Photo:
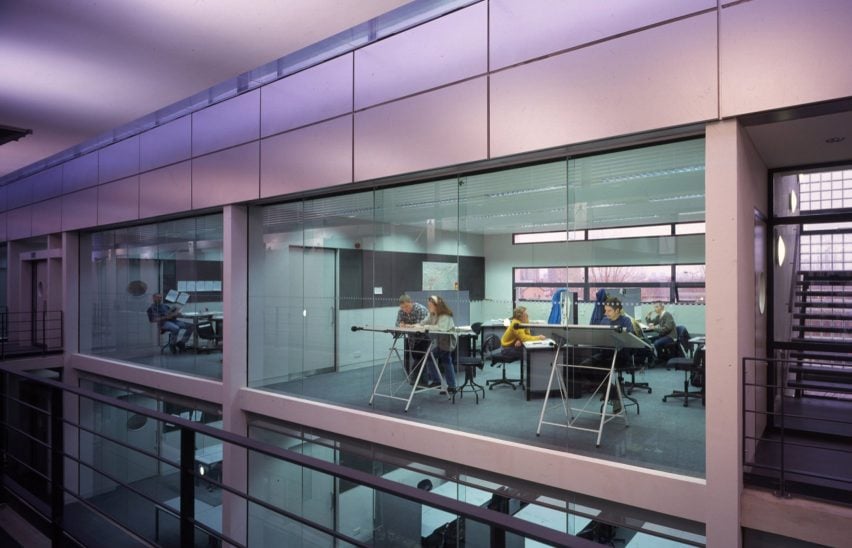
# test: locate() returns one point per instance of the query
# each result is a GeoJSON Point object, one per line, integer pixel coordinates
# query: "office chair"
{"type": "Point", "coordinates": [693, 373]}
{"type": "Point", "coordinates": [677, 348]}
{"type": "Point", "coordinates": [205, 331]}
{"type": "Point", "coordinates": [492, 348]}
{"type": "Point", "coordinates": [635, 365]}
{"type": "Point", "coordinates": [473, 359]}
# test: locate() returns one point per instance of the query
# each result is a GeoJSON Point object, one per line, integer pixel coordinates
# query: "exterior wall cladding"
{"type": "Point", "coordinates": [495, 79]}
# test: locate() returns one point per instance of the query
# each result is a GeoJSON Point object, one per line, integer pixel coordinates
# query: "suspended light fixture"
{"type": "Point", "coordinates": [780, 250]}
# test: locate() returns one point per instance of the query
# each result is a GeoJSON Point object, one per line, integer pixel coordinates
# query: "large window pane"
{"type": "Point", "coordinates": [121, 272]}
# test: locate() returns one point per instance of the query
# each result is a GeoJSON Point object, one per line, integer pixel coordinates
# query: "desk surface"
{"type": "Point", "coordinates": [432, 518]}
{"type": "Point", "coordinates": [546, 343]}
{"type": "Point", "coordinates": [211, 516]}
{"type": "Point", "coordinates": [209, 455]}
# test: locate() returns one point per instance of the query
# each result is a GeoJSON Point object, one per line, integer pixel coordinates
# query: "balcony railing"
{"type": "Point", "coordinates": [77, 500]}
{"type": "Point", "coordinates": [797, 425]}
{"type": "Point", "coordinates": [28, 333]}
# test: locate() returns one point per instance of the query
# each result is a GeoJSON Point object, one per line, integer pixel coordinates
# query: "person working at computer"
{"type": "Point", "coordinates": [166, 318]}
{"type": "Point", "coordinates": [411, 314]}
{"type": "Point", "coordinates": [512, 343]}
{"type": "Point", "coordinates": [663, 322]}
{"type": "Point", "coordinates": [441, 317]}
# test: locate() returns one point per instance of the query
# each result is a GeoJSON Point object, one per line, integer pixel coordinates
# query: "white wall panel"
{"type": "Point", "coordinates": [118, 201]}
{"type": "Point", "coordinates": [226, 177]}
{"type": "Point", "coordinates": [19, 223]}
{"type": "Point", "coordinates": [315, 94]}
{"type": "Point", "coordinates": [165, 190]}
{"type": "Point", "coordinates": [47, 184]}
{"type": "Point", "coordinates": [442, 51]}
{"type": "Point", "coordinates": [307, 158]}
{"type": "Point", "coordinates": [525, 30]}
{"type": "Point", "coordinates": [119, 160]}
{"type": "Point", "coordinates": [80, 173]}
{"type": "Point", "coordinates": [226, 124]}
{"type": "Point", "coordinates": [444, 127]}
{"type": "Point", "coordinates": [80, 209]}
{"type": "Point", "coordinates": [661, 77]}
{"type": "Point", "coordinates": [20, 192]}
{"type": "Point", "coordinates": [47, 217]}
{"type": "Point", "coordinates": [775, 53]}
{"type": "Point", "coordinates": [166, 144]}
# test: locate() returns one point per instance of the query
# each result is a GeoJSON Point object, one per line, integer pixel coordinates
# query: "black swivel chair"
{"type": "Point", "coordinates": [470, 362]}
{"type": "Point", "coordinates": [678, 348]}
{"type": "Point", "coordinates": [693, 373]}
{"type": "Point", "coordinates": [492, 348]}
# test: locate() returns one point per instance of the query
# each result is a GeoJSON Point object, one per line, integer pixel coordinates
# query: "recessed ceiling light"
{"type": "Point", "coordinates": [832, 140]}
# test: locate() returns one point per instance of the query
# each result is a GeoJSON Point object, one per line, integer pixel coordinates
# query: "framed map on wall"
{"type": "Point", "coordinates": [440, 275]}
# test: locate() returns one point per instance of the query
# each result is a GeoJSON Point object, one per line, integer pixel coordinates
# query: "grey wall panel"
{"type": "Point", "coordinates": [445, 50]}
{"type": "Point", "coordinates": [47, 184]}
{"type": "Point", "coordinates": [634, 84]}
{"type": "Point", "coordinates": [19, 223]}
{"type": "Point", "coordinates": [20, 193]}
{"type": "Point", "coordinates": [226, 124]}
{"type": "Point", "coordinates": [773, 53]}
{"type": "Point", "coordinates": [167, 144]}
{"type": "Point", "coordinates": [165, 190]}
{"type": "Point", "coordinates": [3, 234]}
{"type": "Point", "coordinates": [315, 94]}
{"type": "Point", "coordinates": [525, 30]}
{"type": "Point", "coordinates": [443, 127]}
{"type": "Point", "coordinates": [307, 158]}
{"type": "Point", "coordinates": [47, 217]}
{"type": "Point", "coordinates": [80, 173]}
{"type": "Point", "coordinates": [3, 201]}
{"type": "Point", "coordinates": [118, 201]}
{"type": "Point", "coordinates": [119, 160]}
{"type": "Point", "coordinates": [226, 177]}
{"type": "Point", "coordinates": [80, 209]}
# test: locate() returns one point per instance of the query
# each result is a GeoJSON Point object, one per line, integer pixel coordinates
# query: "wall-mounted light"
{"type": "Point", "coordinates": [780, 250]}
{"type": "Point", "coordinates": [794, 201]}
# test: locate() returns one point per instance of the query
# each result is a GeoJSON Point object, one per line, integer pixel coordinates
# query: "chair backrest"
{"type": "Point", "coordinates": [492, 343]}
{"type": "Point", "coordinates": [682, 339]}
{"type": "Point", "coordinates": [696, 377]}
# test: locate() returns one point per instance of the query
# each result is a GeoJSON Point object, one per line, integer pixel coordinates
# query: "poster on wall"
{"type": "Point", "coordinates": [440, 275]}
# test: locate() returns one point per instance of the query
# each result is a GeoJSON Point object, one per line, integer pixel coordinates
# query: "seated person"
{"type": "Point", "coordinates": [166, 318]}
{"type": "Point", "coordinates": [512, 343]}
{"type": "Point", "coordinates": [613, 316]}
{"type": "Point", "coordinates": [411, 314]}
{"type": "Point", "coordinates": [664, 324]}
{"type": "Point", "coordinates": [441, 317]}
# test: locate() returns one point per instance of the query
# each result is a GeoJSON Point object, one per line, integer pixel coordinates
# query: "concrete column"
{"type": "Point", "coordinates": [234, 364]}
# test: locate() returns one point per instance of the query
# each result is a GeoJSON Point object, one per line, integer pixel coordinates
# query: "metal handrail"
{"type": "Point", "coordinates": [778, 420]}
{"type": "Point", "coordinates": [189, 430]}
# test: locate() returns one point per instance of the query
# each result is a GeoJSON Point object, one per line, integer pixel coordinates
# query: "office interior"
{"type": "Point", "coordinates": [483, 182]}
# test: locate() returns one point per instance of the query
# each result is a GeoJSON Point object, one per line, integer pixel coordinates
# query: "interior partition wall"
{"type": "Point", "coordinates": [120, 272]}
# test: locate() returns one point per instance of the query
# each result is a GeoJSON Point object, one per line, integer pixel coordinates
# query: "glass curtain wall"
{"type": "Point", "coordinates": [327, 275]}
{"type": "Point", "coordinates": [175, 265]}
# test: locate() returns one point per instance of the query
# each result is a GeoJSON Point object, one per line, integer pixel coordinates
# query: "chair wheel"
{"type": "Point", "coordinates": [664, 398]}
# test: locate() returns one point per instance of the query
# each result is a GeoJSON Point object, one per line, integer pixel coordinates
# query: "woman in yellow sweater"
{"type": "Point", "coordinates": [512, 343]}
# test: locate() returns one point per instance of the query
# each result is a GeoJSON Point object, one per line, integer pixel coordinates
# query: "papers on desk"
{"type": "Point", "coordinates": [546, 343]}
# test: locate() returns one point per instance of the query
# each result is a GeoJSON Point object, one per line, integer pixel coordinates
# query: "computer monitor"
{"type": "Point", "coordinates": [171, 296]}
{"type": "Point", "coordinates": [182, 298]}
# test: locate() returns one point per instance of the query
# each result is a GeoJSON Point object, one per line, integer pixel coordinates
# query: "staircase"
{"type": "Point", "coordinates": [823, 325]}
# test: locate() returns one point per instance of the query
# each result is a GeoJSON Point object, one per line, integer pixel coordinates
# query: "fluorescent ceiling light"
{"type": "Point", "coordinates": [630, 232]}
{"type": "Point", "coordinates": [690, 228]}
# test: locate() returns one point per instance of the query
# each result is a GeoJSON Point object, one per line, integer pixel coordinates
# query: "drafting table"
{"type": "Point", "coordinates": [409, 385]}
{"type": "Point", "coordinates": [595, 336]}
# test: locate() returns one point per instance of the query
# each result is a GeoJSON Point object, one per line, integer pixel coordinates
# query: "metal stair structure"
{"type": "Point", "coordinates": [823, 327]}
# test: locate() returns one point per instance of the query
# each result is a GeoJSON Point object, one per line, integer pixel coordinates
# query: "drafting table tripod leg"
{"type": "Point", "coordinates": [421, 365]}
{"type": "Point", "coordinates": [608, 381]}
{"type": "Point", "coordinates": [387, 361]}
{"type": "Point", "coordinates": [547, 392]}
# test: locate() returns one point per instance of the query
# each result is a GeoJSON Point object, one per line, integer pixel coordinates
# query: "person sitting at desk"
{"type": "Point", "coordinates": [512, 343]}
{"type": "Point", "coordinates": [166, 318]}
{"type": "Point", "coordinates": [411, 314]}
{"type": "Point", "coordinates": [441, 317]}
{"type": "Point", "coordinates": [614, 316]}
{"type": "Point", "coordinates": [663, 322]}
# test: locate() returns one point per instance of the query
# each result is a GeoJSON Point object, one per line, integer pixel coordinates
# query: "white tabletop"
{"type": "Point", "coordinates": [209, 455]}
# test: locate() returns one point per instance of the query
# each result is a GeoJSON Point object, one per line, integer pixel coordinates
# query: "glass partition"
{"type": "Point", "coordinates": [327, 275]}
{"type": "Point", "coordinates": [152, 295]}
